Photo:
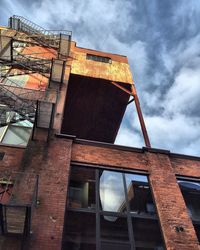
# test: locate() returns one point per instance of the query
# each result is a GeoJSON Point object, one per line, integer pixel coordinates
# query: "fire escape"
{"type": "Point", "coordinates": [22, 34]}
{"type": "Point", "coordinates": [18, 103]}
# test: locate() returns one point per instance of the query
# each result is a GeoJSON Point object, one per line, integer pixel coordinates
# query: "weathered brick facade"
{"type": "Point", "coordinates": [52, 163]}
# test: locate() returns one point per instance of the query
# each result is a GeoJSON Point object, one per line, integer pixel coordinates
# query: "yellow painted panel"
{"type": "Point", "coordinates": [115, 71]}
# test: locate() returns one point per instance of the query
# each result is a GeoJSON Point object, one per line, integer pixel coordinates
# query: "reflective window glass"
{"type": "Point", "coordinates": [191, 195]}
{"type": "Point", "coordinates": [82, 188]}
{"type": "Point", "coordinates": [17, 135]}
{"type": "Point", "coordinates": [139, 194]}
{"type": "Point", "coordinates": [98, 216]}
{"type": "Point", "coordinates": [112, 197]}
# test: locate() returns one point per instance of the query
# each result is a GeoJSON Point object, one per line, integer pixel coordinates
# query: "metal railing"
{"type": "Point", "coordinates": [27, 64]}
{"type": "Point", "coordinates": [47, 37]}
{"type": "Point", "coordinates": [25, 108]}
{"type": "Point", "coordinates": [34, 26]}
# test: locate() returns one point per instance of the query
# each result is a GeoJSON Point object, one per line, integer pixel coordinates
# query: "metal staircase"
{"type": "Point", "coordinates": [49, 38]}
{"type": "Point", "coordinates": [29, 67]}
{"type": "Point", "coordinates": [28, 63]}
{"type": "Point", "coordinates": [14, 103]}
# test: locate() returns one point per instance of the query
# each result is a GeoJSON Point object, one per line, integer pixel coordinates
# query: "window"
{"type": "Point", "coordinates": [191, 194]}
{"type": "Point", "coordinates": [108, 210]}
{"type": "Point", "coordinates": [15, 132]}
{"type": "Point", "coordinates": [1, 155]}
{"type": "Point", "coordinates": [98, 58]}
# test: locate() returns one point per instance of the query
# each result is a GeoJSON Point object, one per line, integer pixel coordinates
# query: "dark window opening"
{"type": "Point", "coordinates": [79, 231]}
{"type": "Point", "coordinates": [108, 210]}
{"type": "Point", "coordinates": [197, 229]}
{"type": "Point", "coordinates": [147, 234]}
{"type": "Point", "coordinates": [191, 194]}
{"type": "Point", "coordinates": [114, 229]}
{"type": "Point", "coordinates": [1, 155]}
{"type": "Point", "coordinates": [98, 58]}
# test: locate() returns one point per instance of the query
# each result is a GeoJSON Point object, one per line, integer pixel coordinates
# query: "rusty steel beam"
{"type": "Point", "coordinates": [122, 88]}
{"type": "Point", "coordinates": [139, 111]}
{"type": "Point", "coordinates": [140, 116]}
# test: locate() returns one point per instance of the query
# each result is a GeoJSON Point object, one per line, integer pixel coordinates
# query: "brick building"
{"type": "Point", "coordinates": [64, 184]}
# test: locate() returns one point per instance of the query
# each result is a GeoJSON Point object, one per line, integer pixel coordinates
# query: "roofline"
{"type": "Point", "coordinates": [127, 148]}
{"type": "Point", "coordinates": [94, 50]}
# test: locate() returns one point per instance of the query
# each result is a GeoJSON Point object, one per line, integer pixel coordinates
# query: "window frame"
{"type": "Point", "coordinates": [192, 180]}
{"type": "Point", "coordinates": [97, 58]}
{"type": "Point", "coordinates": [5, 130]}
{"type": "Point", "coordinates": [99, 212]}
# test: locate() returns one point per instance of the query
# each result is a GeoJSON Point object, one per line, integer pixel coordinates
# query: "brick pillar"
{"type": "Point", "coordinates": [52, 163]}
{"type": "Point", "coordinates": [170, 205]}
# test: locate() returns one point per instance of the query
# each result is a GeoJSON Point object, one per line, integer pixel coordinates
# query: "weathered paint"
{"type": "Point", "coordinates": [115, 71]}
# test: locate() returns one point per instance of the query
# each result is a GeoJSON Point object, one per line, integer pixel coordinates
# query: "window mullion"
{"type": "Point", "coordinates": [129, 219]}
{"type": "Point", "coordinates": [97, 211]}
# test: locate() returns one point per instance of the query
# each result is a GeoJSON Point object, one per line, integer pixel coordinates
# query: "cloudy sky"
{"type": "Point", "coordinates": [162, 41]}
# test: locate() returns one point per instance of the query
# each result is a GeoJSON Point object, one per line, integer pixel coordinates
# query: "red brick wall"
{"type": "Point", "coordinates": [109, 157]}
{"type": "Point", "coordinates": [170, 205]}
{"type": "Point", "coordinates": [187, 167]}
{"type": "Point", "coordinates": [12, 158]}
{"type": "Point", "coordinates": [51, 162]}
{"type": "Point", "coordinates": [162, 169]}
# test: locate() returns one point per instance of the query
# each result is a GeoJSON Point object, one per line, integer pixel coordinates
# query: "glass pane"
{"type": "Point", "coordinates": [2, 131]}
{"type": "Point", "coordinates": [115, 245]}
{"type": "Point", "coordinates": [191, 195]}
{"type": "Point", "coordinates": [24, 123]}
{"type": "Point", "coordinates": [147, 234]}
{"type": "Point", "coordinates": [112, 196]}
{"type": "Point", "coordinates": [197, 229]}
{"type": "Point", "coordinates": [82, 188]}
{"type": "Point", "coordinates": [79, 231]}
{"type": "Point", "coordinates": [114, 229]}
{"type": "Point", "coordinates": [17, 135]}
{"type": "Point", "coordinates": [139, 194]}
